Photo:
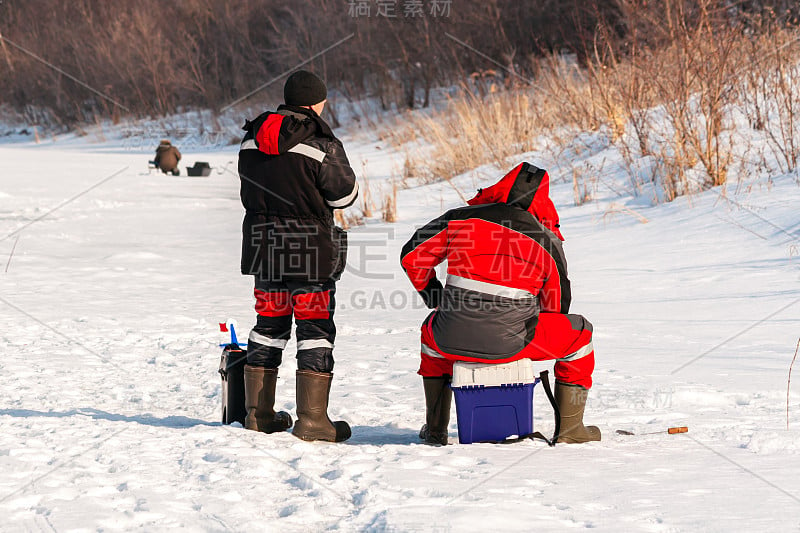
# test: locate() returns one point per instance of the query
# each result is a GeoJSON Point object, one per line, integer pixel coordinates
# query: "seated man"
{"type": "Point", "coordinates": [167, 157]}
{"type": "Point", "coordinates": [507, 297]}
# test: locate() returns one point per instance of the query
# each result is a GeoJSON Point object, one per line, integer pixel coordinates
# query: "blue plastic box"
{"type": "Point", "coordinates": [492, 414]}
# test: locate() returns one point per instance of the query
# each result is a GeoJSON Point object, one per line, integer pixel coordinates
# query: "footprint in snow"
{"type": "Point", "coordinates": [332, 474]}
{"type": "Point", "coordinates": [301, 482]}
{"type": "Point", "coordinates": [287, 511]}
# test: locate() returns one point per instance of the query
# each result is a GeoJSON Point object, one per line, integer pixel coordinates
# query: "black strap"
{"type": "Point", "coordinates": [544, 377]}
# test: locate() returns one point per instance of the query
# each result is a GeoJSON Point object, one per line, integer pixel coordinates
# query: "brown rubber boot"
{"type": "Point", "coordinates": [571, 401]}
{"type": "Point", "coordinates": [313, 390]}
{"type": "Point", "coordinates": [438, 398]}
{"type": "Point", "coordinates": [259, 400]}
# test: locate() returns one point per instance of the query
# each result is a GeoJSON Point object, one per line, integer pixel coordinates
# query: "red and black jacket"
{"type": "Point", "coordinates": [505, 264]}
{"type": "Point", "coordinates": [294, 173]}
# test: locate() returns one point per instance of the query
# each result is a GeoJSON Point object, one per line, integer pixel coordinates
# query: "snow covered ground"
{"type": "Point", "coordinates": [110, 397]}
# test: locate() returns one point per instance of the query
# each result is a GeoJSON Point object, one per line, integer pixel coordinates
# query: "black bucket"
{"type": "Point", "coordinates": [200, 168]}
{"type": "Point", "coordinates": [231, 368]}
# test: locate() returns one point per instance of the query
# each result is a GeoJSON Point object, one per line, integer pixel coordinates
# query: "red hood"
{"type": "Point", "coordinates": [527, 187]}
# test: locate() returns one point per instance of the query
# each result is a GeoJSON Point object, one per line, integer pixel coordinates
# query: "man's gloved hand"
{"type": "Point", "coordinates": [432, 293]}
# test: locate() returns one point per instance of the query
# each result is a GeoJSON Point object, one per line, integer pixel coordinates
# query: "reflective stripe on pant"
{"type": "Point", "coordinates": [312, 305]}
{"type": "Point", "coordinates": [565, 338]}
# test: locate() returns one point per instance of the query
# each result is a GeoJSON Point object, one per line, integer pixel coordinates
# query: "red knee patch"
{"type": "Point", "coordinates": [429, 366]}
{"type": "Point", "coordinates": [434, 367]}
{"type": "Point", "coordinates": [312, 305]}
{"type": "Point", "coordinates": [577, 372]}
{"type": "Point", "coordinates": [273, 303]}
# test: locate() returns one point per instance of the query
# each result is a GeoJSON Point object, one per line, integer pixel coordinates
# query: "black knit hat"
{"type": "Point", "coordinates": [304, 88]}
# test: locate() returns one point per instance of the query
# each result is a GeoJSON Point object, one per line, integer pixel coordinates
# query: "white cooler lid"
{"type": "Point", "coordinates": [492, 375]}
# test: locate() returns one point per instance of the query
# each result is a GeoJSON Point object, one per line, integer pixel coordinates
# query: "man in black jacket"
{"type": "Point", "coordinates": [294, 173]}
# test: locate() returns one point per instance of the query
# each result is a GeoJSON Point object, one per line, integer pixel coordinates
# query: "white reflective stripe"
{"type": "Point", "coordinates": [430, 352]}
{"type": "Point", "coordinates": [313, 343]}
{"type": "Point", "coordinates": [308, 151]}
{"type": "Point", "coordinates": [488, 288]}
{"type": "Point", "coordinates": [583, 352]}
{"type": "Point", "coordinates": [267, 341]}
{"type": "Point", "coordinates": [346, 200]}
{"type": "Point", "coordinates": [249, 144]}
{"type": "Point", "coordinates": [302, 149]}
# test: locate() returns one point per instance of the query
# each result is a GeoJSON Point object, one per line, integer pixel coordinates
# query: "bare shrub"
{"type": "Point", "coordinates": [347, 219]}
{"type": "Point", "coordinates": [771, 93]}
{"type": "Point", "coordinates": [338, 216]}
{"type": "Point", "coordinates": [580, 191]}
{"type": "Point", "coordinates": [566, 97]}
{"type": "Point", "coordinates": [669, 92]}
{"type": "Point", "coordinates": [390, 206]}
{"type": "Point", "coordinates": [367, 205]}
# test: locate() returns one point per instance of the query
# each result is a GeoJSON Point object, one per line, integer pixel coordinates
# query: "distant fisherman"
{"type": "Point", "coordinates": [167, 157]}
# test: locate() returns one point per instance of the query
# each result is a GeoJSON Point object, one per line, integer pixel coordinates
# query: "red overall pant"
{"type": "Point", "coordinates": [563, 337]}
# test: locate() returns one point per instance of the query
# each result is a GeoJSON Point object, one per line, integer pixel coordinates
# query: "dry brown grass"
{"type": "Point", "coordinates": [671, 96]}
{"type": "Point", "coordinates": [390, 205]}
{"type": "Point", "coordinates": [367, 205]}
{"type": "Point", "coordinates": [470, 132]}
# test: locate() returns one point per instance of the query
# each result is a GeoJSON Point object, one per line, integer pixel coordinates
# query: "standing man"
{"type": "Point", "coordinates": [507, 297]}
{"type": "Point", "coordinates": [294, 173]}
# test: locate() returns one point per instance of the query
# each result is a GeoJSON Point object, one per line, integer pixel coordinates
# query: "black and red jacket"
{"type": "Point", "coordinates": [294, 173]}
{"type": "Point", "coordinates": [505, 265]}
